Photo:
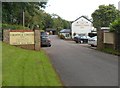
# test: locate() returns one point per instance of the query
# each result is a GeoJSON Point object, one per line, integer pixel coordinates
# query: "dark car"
{"type": "Point", "coordinates": [45, 41]}
{"type": "Point", "coordinates": [81, 39]}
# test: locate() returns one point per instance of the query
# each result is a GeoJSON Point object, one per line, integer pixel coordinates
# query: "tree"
{"type": "Point", "coordinates": [12, 12]}
{"type": "Point", "coordinates": [48, 21]}
{"type": "Point", "coordinates": [34, 15]}
{"type": "Point", "coordinates": [66, 24]}
{"type": "Point", "coordinates": [115, 26]}
{"type": "Point", "coordinates": [105, 15]}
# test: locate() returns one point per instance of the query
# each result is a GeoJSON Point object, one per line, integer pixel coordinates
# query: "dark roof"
{"type": "Point", "coordinates": [83, 17]}
{"type": "Point", "coordinates": [65, 31]}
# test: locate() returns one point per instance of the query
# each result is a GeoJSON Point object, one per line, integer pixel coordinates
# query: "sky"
{"type": "Point", "coordinates": [73, 9]}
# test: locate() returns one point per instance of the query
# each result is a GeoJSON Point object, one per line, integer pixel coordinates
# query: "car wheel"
{"type": "Point", "coordinates": [92, 45]}
{"type": "Point", "coordinates": [76, 41]}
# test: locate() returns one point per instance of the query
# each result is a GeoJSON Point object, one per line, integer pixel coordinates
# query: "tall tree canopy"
{"type": "Point", "coordinates": [12, 13]}
{"type": "Point", "coordinates": [105, 15]}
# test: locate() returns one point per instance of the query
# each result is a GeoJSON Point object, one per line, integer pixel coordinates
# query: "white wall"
{"type": "Point", "coordinates": [81, 26]}
{"type": "Point", "coordinates": [119, 5]}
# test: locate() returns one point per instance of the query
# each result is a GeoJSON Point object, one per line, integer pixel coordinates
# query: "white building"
{"type": "Point", "coordinates": [81, 26]}
{"type": "Point", "coordinates": [119, 5]}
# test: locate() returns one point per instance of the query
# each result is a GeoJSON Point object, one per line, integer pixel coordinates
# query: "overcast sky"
{"type": "Point", "coordinates": [72, 9]}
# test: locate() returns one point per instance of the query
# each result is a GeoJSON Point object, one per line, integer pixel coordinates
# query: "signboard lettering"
{"type": "Point", "coordinates": [21, 38]}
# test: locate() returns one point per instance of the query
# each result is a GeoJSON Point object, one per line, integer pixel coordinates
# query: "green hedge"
{"type": "Point", "coordinates": [115, 26]}
{"type": "Point", "coordinates": [14, 27]}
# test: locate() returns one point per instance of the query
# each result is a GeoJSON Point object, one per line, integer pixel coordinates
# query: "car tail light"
{"type": "Point", "coordinates": [49, 40]}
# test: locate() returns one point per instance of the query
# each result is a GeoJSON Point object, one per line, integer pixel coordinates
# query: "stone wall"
{"type": "Point", "coordinates": [109, 40]}
{"type": "Point", "coordinates": [117, 41]}
{"type": "Point", "coordinates": [100, 44]}
{"type": "Point", "coordinates": [106, 39]}
{"type": "Point", "coordinates": [29, 46]}
{"type": "Point", "coordinates": [6, 37]}
{"type": "Point", "coordinates": [35, 46]}
{"type": "Point", "coordinates": [37, 40]}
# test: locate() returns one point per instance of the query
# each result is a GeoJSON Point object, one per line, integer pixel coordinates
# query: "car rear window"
{"type": "Point", "coordinates": [44, 34]}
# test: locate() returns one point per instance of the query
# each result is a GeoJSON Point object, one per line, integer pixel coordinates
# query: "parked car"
{"type": "Point", "coordinates": [45, 40]}
{"type": "Point", "coordinates": [81, 39]}
{"type": "Point", "coordinates": [92, 41]}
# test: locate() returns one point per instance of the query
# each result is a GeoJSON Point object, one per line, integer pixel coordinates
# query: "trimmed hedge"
{"type": "Point", "coordinates": [13, 27]}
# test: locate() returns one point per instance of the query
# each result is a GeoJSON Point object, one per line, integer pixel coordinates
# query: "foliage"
{"type": "Point", "coordinates": [62, 36]}
{"type": "Point", "coordinates": [115, 26]}
{"type": "Point", "coordinates": [74, 34]}
{"type": "Point", "coordinates": [34, 15]}
{"type": "Point", "coordinates": [22, 67]}
{"type": "Point", "coordinates": [8, 26]}
{"type": "Point", "coordinates": [13, 11]}
{"type": "Point", "coordinates": [111, 51]}
{"type": "Point", "coordinates": [105, 15]}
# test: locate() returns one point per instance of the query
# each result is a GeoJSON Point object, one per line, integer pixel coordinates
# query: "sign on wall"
{"type": "Point", "coordinates": [21, 38]}
{"type": "Point", "coordinates": [108, 38]}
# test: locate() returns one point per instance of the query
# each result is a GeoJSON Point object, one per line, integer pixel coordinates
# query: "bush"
{"type": "Point", "coordinates": [115, 26]}
{"type": "Point", "coordinates": [14, 27]}
{"type": "Point", "coordinates": [62, 36]}
{"type": "Point", "coordinates": [111, 51]}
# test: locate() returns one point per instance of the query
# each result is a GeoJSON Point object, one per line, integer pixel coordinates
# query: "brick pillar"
{"type": "Point", "coordinates": [37, 40]}
{"type": "Point", "coordinates": [6, 36]}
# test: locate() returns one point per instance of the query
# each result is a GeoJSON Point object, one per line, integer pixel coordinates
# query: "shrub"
{"type": "Point", "coordinates": [62, 36]}
{"type": "Point", "coordinates": [115, 26]}
{"type": "Point", "coordinates": [14, 27]}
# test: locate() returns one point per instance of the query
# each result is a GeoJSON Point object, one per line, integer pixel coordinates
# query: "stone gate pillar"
{"type": "Point", "coordinates": [37, 40]}
{"type": "Point", "coordinates": [100, 44]}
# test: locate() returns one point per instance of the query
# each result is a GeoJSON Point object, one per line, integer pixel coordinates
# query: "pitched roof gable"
{"type": "Point", "coordinates": [83, 17]}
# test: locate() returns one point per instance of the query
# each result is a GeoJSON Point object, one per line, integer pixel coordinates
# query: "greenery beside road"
{"type": "Point", "coordinates": [105, 15]}
{"type": "Point", "coordinates": [33, 14]}
{"type": "Point", "coordinates": [13, 27]}
{"type": "Point", "coordinates": [111, 51]}
{"type": "Point", "coordinates": [22, 67]}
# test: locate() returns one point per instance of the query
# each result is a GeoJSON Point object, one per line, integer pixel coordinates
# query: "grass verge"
{"type": "Point", "coordinates": [111, 51]}
{"type": "Point", "coordinates": [22, 67]}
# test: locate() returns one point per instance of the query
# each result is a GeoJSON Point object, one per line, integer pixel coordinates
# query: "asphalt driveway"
{"type": "Point", "coordinates": [81, 66]}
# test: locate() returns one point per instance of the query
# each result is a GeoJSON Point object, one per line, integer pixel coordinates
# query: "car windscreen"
{"type": "Point", "coordinates": [44, 34]}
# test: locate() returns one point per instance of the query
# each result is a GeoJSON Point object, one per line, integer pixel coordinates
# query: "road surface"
{"type": "Point", "coordinates": [81, 66]}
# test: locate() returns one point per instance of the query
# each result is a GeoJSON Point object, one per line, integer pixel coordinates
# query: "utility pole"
{"type": "Point", "coordinates": [23, 18]}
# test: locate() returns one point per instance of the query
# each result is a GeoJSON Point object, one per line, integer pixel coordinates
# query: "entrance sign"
{"type": "Point", "coordinates": [21, 38]}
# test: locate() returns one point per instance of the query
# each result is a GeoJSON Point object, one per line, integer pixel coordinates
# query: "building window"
{"type": "Point", "coordinates": [67, 35]}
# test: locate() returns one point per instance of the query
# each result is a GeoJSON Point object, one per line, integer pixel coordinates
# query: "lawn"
{"type": "Point", "coordinates": [22, 67]}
